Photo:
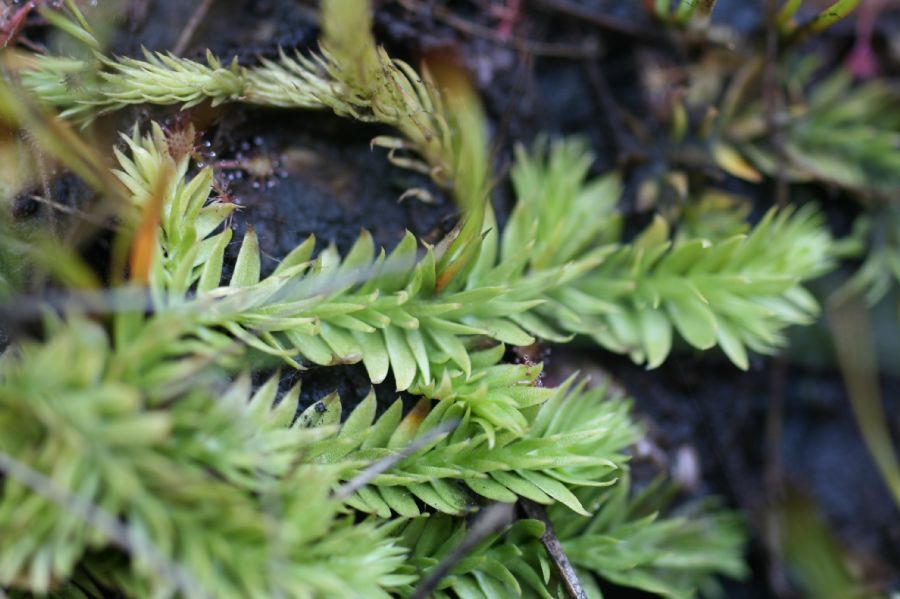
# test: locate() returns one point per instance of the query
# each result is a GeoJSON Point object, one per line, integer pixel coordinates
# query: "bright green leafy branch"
{"type": "Point", "coordinates": [555, 270]}
{"type": "Point", "coordinates": [624, 541]}
{"type": "Point", "coordinates": [363, 76]}
{"type": "Point", "coordinates": [572, 437]}
{"type": "Point", "coordinates": [736, 292]}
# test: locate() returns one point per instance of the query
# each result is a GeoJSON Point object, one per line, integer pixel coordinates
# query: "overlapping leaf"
{"type": "Point", "coordinates": [568, 437]}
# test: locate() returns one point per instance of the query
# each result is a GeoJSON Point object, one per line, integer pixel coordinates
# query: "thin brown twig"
{"type": "Point", "coordinates": [774, 101]}
{"type": "Point", "coordinates": [528, 46]}
{"type": "Point", "coordinates": [602, 21]}
{"type": "Point", "coordinates": [774, 470]}
{"type": "Point", "coordinates": [137, 14]}
{"type": "Point", "coordinates": [627, 150]}
{"type": "Point", "coordinates": [103, 223]}
{"type": "Point", "coordinates": [489, 520]}
{"type": "Point", "coordinates": [363, 478]}
{"type": "Point", "coordinates": [564, 568]}
{"type": "Point", "coordinates": [774, 476]}
{"type": "Point", "coordinates": [188, 32]}
{"type": "Point", "coordinates": [519, 90]}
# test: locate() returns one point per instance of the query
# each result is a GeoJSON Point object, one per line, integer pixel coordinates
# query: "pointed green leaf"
{"type": "Point", "coordinates": [246, 268]}
{"type": "Point", "coordinates": [403, 362]}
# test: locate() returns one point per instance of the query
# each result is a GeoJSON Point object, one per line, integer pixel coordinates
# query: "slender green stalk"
{"type": "Point", "coordinates": [832, 15]}
{"type": "Point", "coordinates": [827, 18]}
{"type": "Point", "coordinates": [787, 12]}
{"type": "Point", "coordinates": [852, 333]}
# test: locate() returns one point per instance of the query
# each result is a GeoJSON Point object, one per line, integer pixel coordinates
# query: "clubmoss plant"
{"type": "Point", "coordinates": [139, 431]}
{"type": "Point", "coordinates": [151, 465]}
{"type": "Point", "coordinates": [841, 134]}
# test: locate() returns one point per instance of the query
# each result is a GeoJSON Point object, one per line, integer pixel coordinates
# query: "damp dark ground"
{"type": "Point", "coordinates": [568, 68]}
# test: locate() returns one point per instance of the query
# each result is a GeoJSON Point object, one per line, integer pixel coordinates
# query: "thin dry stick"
{"type": "Point", "coordinates": [191, 27]}
{"type": "Point", "coordinates": [137, 14]}
{"type": "Point", "coordinates": [43, 171]}
{"type": "Point", "coordinates": [489, 520]}
{"type": "Point", "coordinates": [602, 21]}
{"type": "Point", "coordinates": [554, 548]}
{"type": "Point", "coordinates": [528, 46]}
{"type": "Point", "coordinates": [774, 102]}
{"type": "Point", "coordinates": [774, 475]}
{"type": "Point", "coordinates": [107, 224]}
{"type": "Point", "coordinates": [381, 466]}
{"type": "Point", "coordinates": [627, 150]}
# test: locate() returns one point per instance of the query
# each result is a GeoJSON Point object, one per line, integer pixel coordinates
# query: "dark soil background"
{"type": "Point", "coordinates": [567, 67]}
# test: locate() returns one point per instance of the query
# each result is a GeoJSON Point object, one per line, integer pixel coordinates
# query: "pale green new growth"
{"type": "Point", "coordinates": [353, 78]}
{"type": "Point", "coordinates": [82, 91]}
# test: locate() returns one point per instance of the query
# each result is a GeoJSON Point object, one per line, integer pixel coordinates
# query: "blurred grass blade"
{"type": "Point", "coordinates": [471, 163]}
{"type": "Point", "coordinates": [852, 333]}
{"type": "Point", "coordinates": [80, 30]}
{"type": "Point", "coordinates": [828, 17]}
{"type": "Point", "coordinates": [62, 263]}
{"type": "Point", "coordinates": [833, 14]}
{"type": "Point", "coordinates": [813, 555]}
{"type": "Point", "coordinates": [787, 12]}
{"type": "Point", "coordinates": [56, 137]}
